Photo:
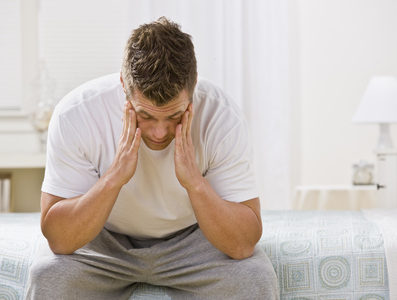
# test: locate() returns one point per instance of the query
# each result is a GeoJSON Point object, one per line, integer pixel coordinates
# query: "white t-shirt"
{"type": "Point", "coordinates": [82, 142]}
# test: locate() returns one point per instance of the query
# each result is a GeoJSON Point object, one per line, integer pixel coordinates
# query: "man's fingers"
{"type": "Point", "coordinates": [178, 138]}
{"type": "Point", "coordinates": [124, 132]}
{"type": "Point", "coordinates": [127, 120]}
{"type": "Point", "coordinates": [132, 126]}
{"type": "Point", "coordinates": [189, 124]}
{"type": "Point", "coordinates": [185, 120]}
{"type": "Point", "coordinates": [137, 141]}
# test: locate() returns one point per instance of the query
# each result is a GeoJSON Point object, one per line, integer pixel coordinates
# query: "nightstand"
{"type": "Point", "coordinates": [27, 173]}
{"type": "Point", "coordinates": [335, 197]}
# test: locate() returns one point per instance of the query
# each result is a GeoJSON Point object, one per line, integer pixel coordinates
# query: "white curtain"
{"type": "Point", "coordinates": [266, 87]}
{"type": "Point", "coordinates": [241, 46]}
{"type": "Point", "coordinates": [10, 55]}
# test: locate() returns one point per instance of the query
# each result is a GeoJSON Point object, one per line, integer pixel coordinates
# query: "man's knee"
{"type": "Point", "coordinates": [44, 269]}
{"type": "Point", "coordinates": [46, 272]}
{"type": "Point", "coordinates": [256, 276]}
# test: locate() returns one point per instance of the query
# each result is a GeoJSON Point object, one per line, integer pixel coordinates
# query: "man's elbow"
{"type": "Point", "coordinates": [59, 247]}
{"type": "Point", "coordinates": [239, 253]}
{"type": "Point", "coordinates": [58, 243]}
{"type": "Point", "coordinates": [246, 249]}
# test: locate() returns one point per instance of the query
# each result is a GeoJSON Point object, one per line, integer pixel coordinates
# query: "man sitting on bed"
{"type": "Point", "coordinates": [150, 180]}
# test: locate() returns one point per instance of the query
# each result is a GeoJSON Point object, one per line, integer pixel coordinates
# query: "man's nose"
{"type": "Point", "coordinates": [160, 131]}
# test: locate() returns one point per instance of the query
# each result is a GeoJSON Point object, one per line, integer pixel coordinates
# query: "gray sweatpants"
{"type": "Point", "coordinates": [186, 264]}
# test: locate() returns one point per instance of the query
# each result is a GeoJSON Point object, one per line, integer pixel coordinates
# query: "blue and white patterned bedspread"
{"type": "Point", "coordinates": [316, 255]}
{"type": "Point", "coordinates": [326, 255]}
{"type": "Point", "coordinates": [19, 237]}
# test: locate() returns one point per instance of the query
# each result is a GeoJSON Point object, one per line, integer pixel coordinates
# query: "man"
{"type": "Point", "coordinates": [149, 179]}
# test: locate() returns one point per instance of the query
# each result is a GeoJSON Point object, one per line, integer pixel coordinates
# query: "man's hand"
{"type": "Point", "coordinates": [234, 228]}
{"type": "Point", "coordinates": [186, 168]}
{"type": "Point", "coordinates": [69, 224]}
{"type": "Point", "coordinates": [126, 158]}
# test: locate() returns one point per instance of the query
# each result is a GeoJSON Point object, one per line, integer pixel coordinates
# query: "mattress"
{"type": "Point", "coordinates": [20, 237]}
{"type": "Point", "coordinates": [316, 255]}
{"type": "Point", "coordinates": [326, 255]}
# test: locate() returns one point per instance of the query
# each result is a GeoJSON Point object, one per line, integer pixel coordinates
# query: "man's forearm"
{"type": "Point", "coordinates": [233, 228]}
{"type": "Point", "coordinates": [69, 224]}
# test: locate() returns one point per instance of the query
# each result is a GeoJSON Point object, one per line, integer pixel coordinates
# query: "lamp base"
{"type": "Point", "coordinates": [384, 141]}
{"type": "Point", "coordinates": [386, 163]}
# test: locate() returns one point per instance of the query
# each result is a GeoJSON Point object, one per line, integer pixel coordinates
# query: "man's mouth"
{"type": "Point", "coordinates": [158, 142]}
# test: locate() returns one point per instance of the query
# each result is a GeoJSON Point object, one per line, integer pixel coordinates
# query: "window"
{"type": "Point", "coordinates": [10, 55]}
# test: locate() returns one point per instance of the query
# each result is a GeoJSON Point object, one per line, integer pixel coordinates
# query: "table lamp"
{"type": "Point", "coordinates": [379, 105]}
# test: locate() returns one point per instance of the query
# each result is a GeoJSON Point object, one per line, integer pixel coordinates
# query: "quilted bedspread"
{"type": "Point", "coordinates": [316, 255]}
{"type": "Point", "coordinates": [326, 255]}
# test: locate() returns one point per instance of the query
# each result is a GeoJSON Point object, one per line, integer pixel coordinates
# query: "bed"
{"type": "Point", "coordinates": [316, 254]}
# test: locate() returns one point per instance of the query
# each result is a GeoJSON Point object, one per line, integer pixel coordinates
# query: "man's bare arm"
{"type": "Point", "coordinates": [69, 224]}
{"type": "Point", "coordinates": [233, 228]}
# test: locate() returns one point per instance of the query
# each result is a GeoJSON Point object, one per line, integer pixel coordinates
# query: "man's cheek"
{"type": "Point", "coordinates": [142, 126]}
{"type": "Point", "coordinates": [173, 130]}
{"type": "Point", "coordinates": [140, 123]}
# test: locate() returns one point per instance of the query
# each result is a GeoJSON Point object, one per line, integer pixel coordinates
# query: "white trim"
{"type": "Point", "coordinates": [13, 113]}
{"type": "Point", "coordinates": [22, 160]}
{"type": "Point", "coordinates": [17, 123]}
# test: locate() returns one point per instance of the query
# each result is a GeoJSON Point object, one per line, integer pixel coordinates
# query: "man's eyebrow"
{"type": "Point", "coordinates": [143, 112]}
{"type": "Point", "coordinates": [175, 114]}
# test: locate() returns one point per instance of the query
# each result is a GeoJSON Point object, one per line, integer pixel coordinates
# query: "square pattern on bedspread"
{"type": "Point", "coordinates": [316, 255]}
{"type": "Point", "coordinates": [19, 238]}
{"type": "Point", "coordinates": [325, 255]}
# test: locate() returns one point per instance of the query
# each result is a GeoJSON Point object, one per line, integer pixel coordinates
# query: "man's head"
{"type": "Point", "coordinates": [159, 62]}
{"type": "Point", "coordinates": [159, 73]}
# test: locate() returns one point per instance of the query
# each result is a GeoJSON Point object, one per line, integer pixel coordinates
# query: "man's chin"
{"type": "Point", "coordinates": [157, 146]}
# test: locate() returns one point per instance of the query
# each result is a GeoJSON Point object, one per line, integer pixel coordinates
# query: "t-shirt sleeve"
{"type": "Point", "coordinates": [68, 172]}
{"type": "Point", "coordinates": [231, 171]}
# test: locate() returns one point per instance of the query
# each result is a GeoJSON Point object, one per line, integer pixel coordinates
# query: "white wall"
{"type": "Point", "coordinates": [340, 45]}
{"type": "Point", "coordinates": [335, 47]}
{"type": "Point", "coordinates": [16, 131]}
{"type": "Point", "coordinates": [240, 46]}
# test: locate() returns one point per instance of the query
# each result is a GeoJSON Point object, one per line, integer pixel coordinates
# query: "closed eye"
{"type": "Point", "coordinates": [176, 118]}
{"type": "Point", "coordinates": [144, 115]}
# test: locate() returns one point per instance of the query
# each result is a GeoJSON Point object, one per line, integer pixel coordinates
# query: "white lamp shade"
{"type": "Point", "coordinates": [379, 103]}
